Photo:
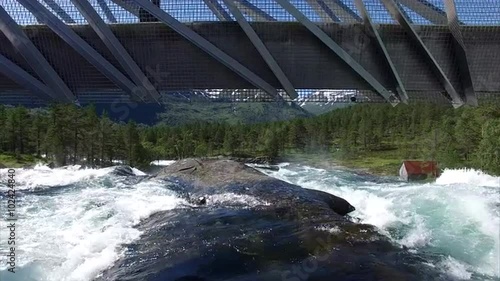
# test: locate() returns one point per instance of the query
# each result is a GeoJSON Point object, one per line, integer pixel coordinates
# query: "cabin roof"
{"type": "Point", "coordinates": [420, 167]}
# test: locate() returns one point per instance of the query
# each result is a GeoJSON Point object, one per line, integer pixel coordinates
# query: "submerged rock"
{"type": "Point", "coordinates": [287, 233]}
{"type": "Point", "coordinates": [123, 171]}
{"type": "Point", "coordinates": [268, 167]}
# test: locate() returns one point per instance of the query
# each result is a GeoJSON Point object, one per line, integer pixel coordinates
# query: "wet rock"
{"type": "Point", "coordinates": [200, 201]}
{"type": "Point", "coordinates": [123, 171]}
{"type": "Point", "coordinates": [268, 167]}
{"type": "Point", "coordinates": [296, 234]}
{"type": "Point", "coordinates": [337, 204]}
{"type": "Point", "coordinates": [199, 178]}
{"type": "Point", "coordinates": [28, 166]}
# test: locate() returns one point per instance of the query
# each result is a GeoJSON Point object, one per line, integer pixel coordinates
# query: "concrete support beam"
{"type": "Point", "coordinates": [208, 47]}
{"type": "Point", "coordinates": [26, 80]}
{"type": "Point", "coordinates": [218, 10]}
{"type": "Point", "coordinates": [35, 59]}
{"type": "Point", "coordinates": [129, 6]}
{"type": "Point", "coordinates": [117, 49]}
{"type": "Point", "coordinates": [145, 16]}
{"type": "Point", "coordinates": [105, 8]}
{"type": "Point", "coordinates": [427, 10]}
{"type": "Point", "coordinates": [460, 53]}
{"type": "Point", "coordinates": [343, 55]}
{"type": "Point", "coordinates": [82, 47]}
{"type": "Point", "coordinates": [405, 14]}
{"type": "Point", "coordinates": [59, 11]}
{"type": "Point", "coordinates": [323, 11]}
{"type": "Point", "coordinates": [372, 29]}
{"type": "Point", "coordinates": [253, 11]}
{"type": "Point", "coordinates": [426, 54]}
{"type": "Point", "coordinates": [342, 11]}
{"type": "Point", "coordinates": [261, 48]}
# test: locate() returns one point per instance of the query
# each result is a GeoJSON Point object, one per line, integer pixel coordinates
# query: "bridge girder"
{"type": "Point", "coordinates": [82, 47]}
{"type": "Point", "coordinates": [342, 11]}
{"type": "Point", "coordinates": [261, 48]}
{"type": "Point", "coordinates": [427, 10]}
{"type": "Point", "coordinates": [343, 55]}
{"type": "Point", "coordinates": [59, 11]}
{"type": "Point", "coordinates": [117, 49]}
{"type": "Point", "coordinates": [105, 8]}
{"type": "Point", "coordinates": [323, 11]}
{"type": "Point", "coordinates": [218, 10]}
{"type": "Point", "coordinates": [396, 12]}
{"type": "Point", "coordinates": [460, 53]}
{"type": "Point", "coordinates": [207, 47]}
{"type": "Point", "coordinates": [129, 6]}
{"type": "Point", "coordinates": [372, 29]}
{"type": "Point", "coordinates": [21, 77]}
{"type": "Point", "coordinates": [334, 11]}
{"type": "Point", "coordinates": [253, 11]}
{"type": "Point", "coordinates": [35, 59]}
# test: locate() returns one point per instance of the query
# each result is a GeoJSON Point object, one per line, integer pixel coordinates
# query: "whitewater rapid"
{"type": "Point", "coordinates": [457, 217]}
{"type": "Point", "coordinates": [74, 221]}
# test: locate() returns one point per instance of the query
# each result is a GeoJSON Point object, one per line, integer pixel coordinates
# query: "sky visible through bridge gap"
{"type": "Point", "coordinates": [471, 12]}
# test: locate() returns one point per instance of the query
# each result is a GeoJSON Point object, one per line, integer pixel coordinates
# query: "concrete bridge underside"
{"type": "Point", "coordinates": [389, 63]}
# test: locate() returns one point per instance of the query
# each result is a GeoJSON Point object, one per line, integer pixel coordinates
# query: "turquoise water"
{"type": "Point", "coordinates": [74, 222]}
{"type": "Point", "coordinates": [456, 217]}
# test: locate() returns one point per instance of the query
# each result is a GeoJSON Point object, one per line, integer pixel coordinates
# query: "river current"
{"type": "Point", "coordinates": [73, 223]}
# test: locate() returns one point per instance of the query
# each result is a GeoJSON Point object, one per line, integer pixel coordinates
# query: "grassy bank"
{"type": "Point", "coordinates": [379, 163]}
{"type": "Point", "coordinates": [12, 161]}
{"type": "Point", "coordinates": [384, 163]}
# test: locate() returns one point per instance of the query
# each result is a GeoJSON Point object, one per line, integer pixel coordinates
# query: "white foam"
{"type": "Point", "coordinates": [41, 176]}
{"type": "Point", "coordinates": [455, 269]}
{"type": "Point", "coordinates": [332, 230]}
{"type": "Point", "coordinates": [74, 235]}
{"type": "Point", "coordinates": [138, 172]}
{"type": "Point", "coordinates": [467, 176]}
{"type": "Point", "coordinates": [284, 164]}
{"type": "Point", "coordinates": [162, 162]}
{"type": "Point", "coordinates": [235, 199]}
{"type": "Point", "coordinates": [460, 209]}
{"type": "Point", "coordinates": [419, 236]}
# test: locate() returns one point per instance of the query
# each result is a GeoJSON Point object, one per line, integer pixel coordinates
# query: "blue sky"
{"type": "Point", "coordinates": [472, 12]}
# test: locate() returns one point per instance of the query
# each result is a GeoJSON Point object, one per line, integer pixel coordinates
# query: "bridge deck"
{"type": "Point", "coordinates": [172, 58]}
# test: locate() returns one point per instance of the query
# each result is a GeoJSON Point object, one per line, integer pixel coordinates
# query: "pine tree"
{"type": "Point", "coordinates": [271, 143]}
{"type": "Point", "coordinates": [488, 155]}
{"type": "Point", "coordinates": [230, 141]}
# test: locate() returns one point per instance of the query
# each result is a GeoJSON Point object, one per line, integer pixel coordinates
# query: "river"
{"type": "Point", "coordinates": [73, 223]}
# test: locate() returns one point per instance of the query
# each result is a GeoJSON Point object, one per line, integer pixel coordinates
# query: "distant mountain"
{"type": "Point", "coordinates": [321, 102]}
{"type": "Point", "coordinates": [241, 106]}
{"type": "Point", "coordinates": [249, 106]}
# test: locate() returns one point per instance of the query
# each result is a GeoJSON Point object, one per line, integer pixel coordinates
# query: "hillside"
{"type": "Point", "coordinates": [179, 113]}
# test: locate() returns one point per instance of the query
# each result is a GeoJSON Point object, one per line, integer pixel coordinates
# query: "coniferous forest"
{"type": "Point", "coordinates": [66, 134]}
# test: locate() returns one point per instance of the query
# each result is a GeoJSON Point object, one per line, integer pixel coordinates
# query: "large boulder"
{"type": "Point", "coordinates": [291, 233]}
{"type": "Point", "coordinates": [222, 176]}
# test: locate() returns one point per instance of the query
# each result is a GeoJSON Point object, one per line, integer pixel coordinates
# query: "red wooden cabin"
{"type": "Point", "coordinates": [418, 170]}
